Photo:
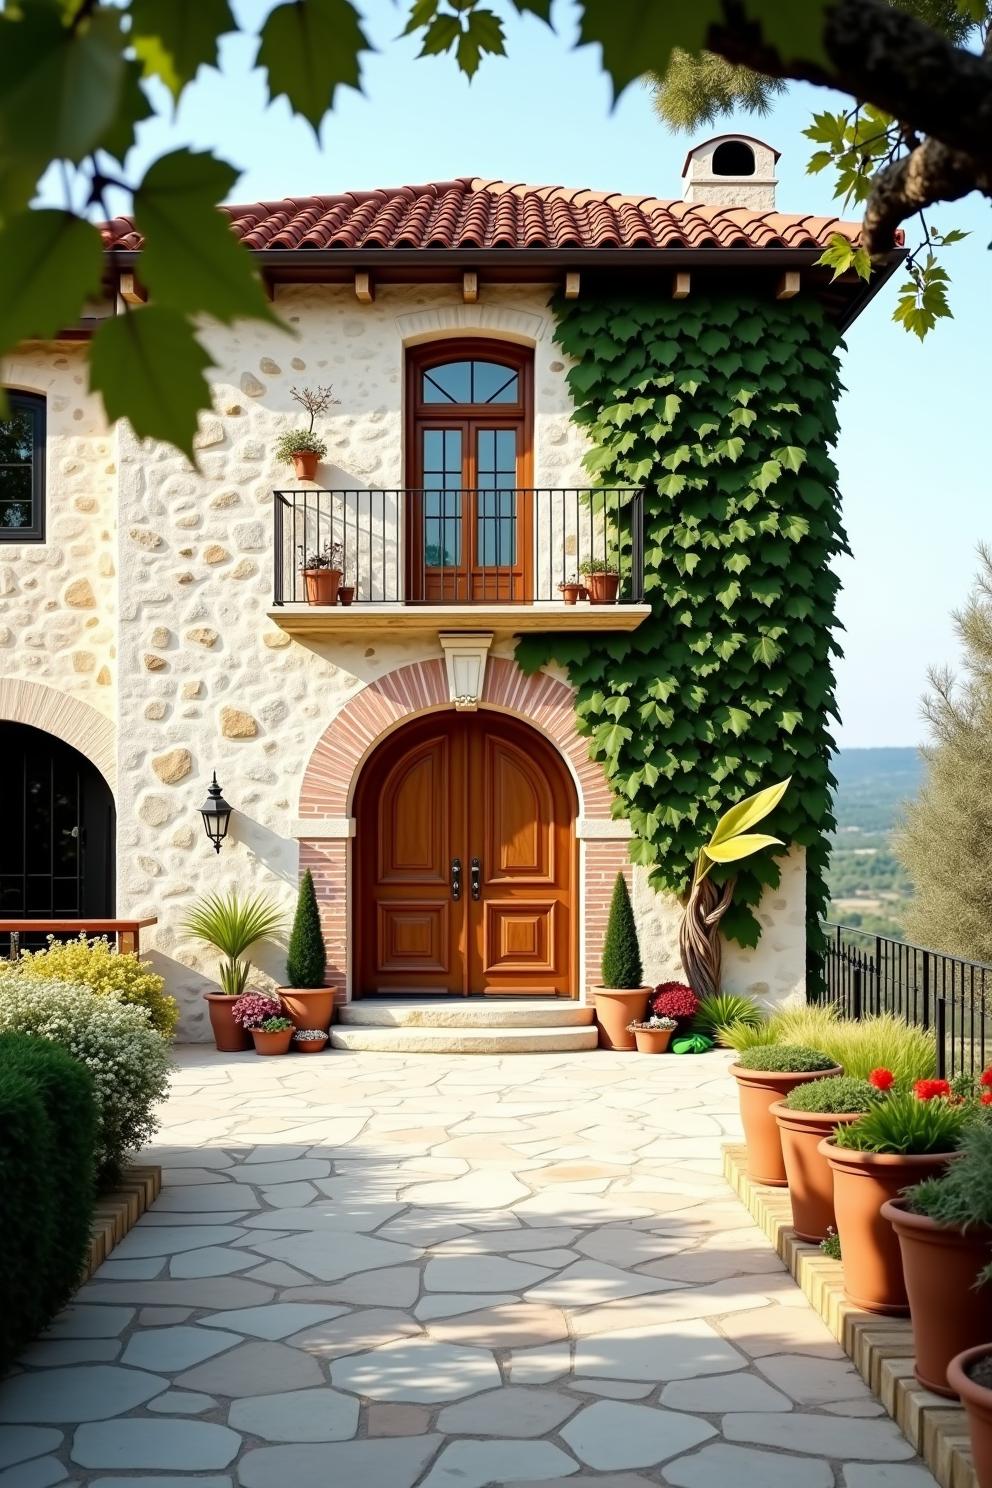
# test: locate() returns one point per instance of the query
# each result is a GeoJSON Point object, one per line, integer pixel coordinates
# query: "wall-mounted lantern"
{"type": "Point", "coordinates": [216, 814]}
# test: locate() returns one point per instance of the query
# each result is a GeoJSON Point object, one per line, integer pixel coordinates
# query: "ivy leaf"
{"type": "Point", "coordinates": [792, 456]}
{"type": "Point", "coordinates": [767, 475]}
{"type": "Point", "coordinates": [191, 260]}
{"type": "Point", "coordinates": [149, 368]}
{"type": "Point", "coordinates": [174, 38]}
{"type": "Point", "coordinates": [308, 49]}
{"type": "Point", "coordinates": [611, 737]}
{"type": "Point", "coordinates": [765, 650]}
{"type": "Point", "coordinates": [49, 263]}
{"type": "Point", "coordinates": [738, 721]}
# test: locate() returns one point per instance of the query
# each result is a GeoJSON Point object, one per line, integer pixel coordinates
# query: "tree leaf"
{"type": "Point", "coordinates": [440, 36]}
{"type": "Point", "coordinates": [748, 813]}
{"type": "Point", "coordinates": [736, 848]}
{"type": "Point", "coordinates": [49, 263]}
{"type": "Point", "coordinates": [174, 38]}
{"type": "Point", "coordinates": [191, 260]}
{"type": "Point", "coordinates": [310, 48]}
{"type": "Point", "coordinates": [148, 366]}
{"type": "Point", "coordinates": [483, 34]}
{"type": "Point", "coordinates": [636, 38]}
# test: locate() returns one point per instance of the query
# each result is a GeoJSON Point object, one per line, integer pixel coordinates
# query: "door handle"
{"type": "Point", "coordinates": [475, 873]}
{"type": "Point", "coordinates": [456, 878]}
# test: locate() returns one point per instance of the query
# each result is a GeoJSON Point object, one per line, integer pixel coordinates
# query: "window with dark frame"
{"type": "Point", "coordinates": [22, 469]}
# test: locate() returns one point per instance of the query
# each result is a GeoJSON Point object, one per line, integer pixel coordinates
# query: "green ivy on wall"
{"type": "Point", "coordinates": [723, 409]}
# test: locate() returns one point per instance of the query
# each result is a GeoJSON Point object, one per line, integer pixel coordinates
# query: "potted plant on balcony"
{"type": "Point", "coordinates": [602, 579]}
{"type": "Point", "coordinates": [322, 573]}
{"type": "Point", "coordinates": [911, 1135]}
{"type": "Point", "coordinates": [652, 1035]}
{"type": "Point", "coordinates": [571, 590]}
{"type": "Point", "coordinates": [764, 1075]}
{"type": "Point", "coordinates": [809, 1113]}
{"type": "Point", "coordinates": [944, 1225]}
{"type": "Point", "coordinates": [622, 998]}
{"type": "Point", "coordinates": [302, 447]}
{"type": "Point", "coordinates": [307, 1001]}
{"type": "Point", "coordinates": [231, 924]}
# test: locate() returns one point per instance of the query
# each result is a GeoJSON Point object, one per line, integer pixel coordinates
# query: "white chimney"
{"type": "Point", "coordinates": [731, 170]}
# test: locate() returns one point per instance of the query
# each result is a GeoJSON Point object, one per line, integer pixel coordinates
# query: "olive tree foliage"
{"type": "Point", "coordinates": [73, 89]}
{"type": "Point", "coordinates": [945, 843]}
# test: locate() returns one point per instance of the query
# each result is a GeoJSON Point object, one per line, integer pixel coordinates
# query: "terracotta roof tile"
{"type": "Point", "coordinates": [473, 213]}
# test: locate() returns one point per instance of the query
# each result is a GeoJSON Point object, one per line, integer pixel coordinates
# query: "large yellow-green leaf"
{"type": "Point", "coordinates": [309, 48]}
{"type": "Point", "coordinates": [149, 367]}
{"type": "Point", "coordinates": [736, 848]}
{"type": "Point", "coordinates": [49, 262]}
{"type": "Point", "coordinates": [749, 812]}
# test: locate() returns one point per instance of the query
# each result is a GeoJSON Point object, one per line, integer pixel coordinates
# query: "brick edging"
{"type": "Point", "coordinates": [117, 1211]}
{"type": "Point", "coordinates": [881, 1348]}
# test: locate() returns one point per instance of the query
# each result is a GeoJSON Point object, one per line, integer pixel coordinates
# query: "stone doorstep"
{"type": "Point", "coordinates": [118, 1211]}
{"type": "Point", "coordinates": [881, 1348]}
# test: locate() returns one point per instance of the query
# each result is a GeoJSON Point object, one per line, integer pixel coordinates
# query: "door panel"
{"type": "Point", "coordinates": [488, 793]}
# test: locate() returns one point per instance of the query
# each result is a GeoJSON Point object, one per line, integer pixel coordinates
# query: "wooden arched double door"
{"type": "Point", "coordinates": [465, 862]}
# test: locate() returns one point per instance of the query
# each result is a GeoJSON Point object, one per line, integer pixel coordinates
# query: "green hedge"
{"type": "Point", "coordinates": [48, 1136]}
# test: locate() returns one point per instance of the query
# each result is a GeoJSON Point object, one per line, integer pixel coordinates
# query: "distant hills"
{"type": "Point", "coordinates": [867, 885]}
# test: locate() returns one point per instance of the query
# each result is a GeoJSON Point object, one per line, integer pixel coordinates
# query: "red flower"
{"type": "Point", "coordinates": [673, 1000]}
{"type": "Point", "coordinates": [882, 1079]}
{"type": "Point", "coordinates": [986, 1097]}
{"type": "Point", "coordinates": [925, 1090]}
{"type": "Point", "coordinates": [986, 1077]}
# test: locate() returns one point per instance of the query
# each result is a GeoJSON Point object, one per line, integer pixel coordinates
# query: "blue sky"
{"type": "Point", "coordinates": [912, 455]}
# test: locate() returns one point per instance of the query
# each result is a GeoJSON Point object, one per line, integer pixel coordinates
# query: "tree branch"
{"type": "Point", "coordinates": [928, 174]}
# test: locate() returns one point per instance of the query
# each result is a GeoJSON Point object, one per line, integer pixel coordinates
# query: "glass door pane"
{"type": "Point", "coordinates": [496, 499]}
{"type": "Point", "coordinates": [443, 483]}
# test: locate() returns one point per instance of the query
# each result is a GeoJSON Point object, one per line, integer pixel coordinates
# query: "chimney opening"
{"type": "Point", "coordinates": [733, 158]}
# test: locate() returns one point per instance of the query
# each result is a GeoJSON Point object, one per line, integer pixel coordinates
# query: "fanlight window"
{"type": "Point", "coordinates": [470, 382]}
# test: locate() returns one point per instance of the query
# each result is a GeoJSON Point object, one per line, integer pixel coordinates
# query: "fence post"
{"type": "Point", "coordinates": [926, 991]}
{"type": "Point", "coordinates": [856, 992]}
{"type": "Point", "coordinates": [940, 1034]}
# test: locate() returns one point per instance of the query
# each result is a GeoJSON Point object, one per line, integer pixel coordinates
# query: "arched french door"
{"type": "Point", "coordinates": [465, 863]}
{"type": "Point", "coordinates": [57, 846]}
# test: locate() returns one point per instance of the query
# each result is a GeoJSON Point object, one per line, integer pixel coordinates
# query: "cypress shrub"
{"type": "Point", "coordinates": [621, 966]}
{"type": "Point", "coordinates": [48, 1136]}
{"type": "Point", "coordinates": [306, 959]}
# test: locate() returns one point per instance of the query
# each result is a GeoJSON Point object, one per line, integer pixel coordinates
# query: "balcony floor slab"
{"type": "Point", "coordinates": [304, 619]}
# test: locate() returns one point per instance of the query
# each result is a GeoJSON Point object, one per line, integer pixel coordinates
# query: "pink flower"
{"type": "Point", "coordinates": [882, 1079]}
{"type": "Point", "coordinates": [252, 1008]}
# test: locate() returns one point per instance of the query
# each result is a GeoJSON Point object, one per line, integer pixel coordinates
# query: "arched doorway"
{"type": "Point", "coordinates": [57, 847]}
{"type": "Point", "coordinates": [465, 862]}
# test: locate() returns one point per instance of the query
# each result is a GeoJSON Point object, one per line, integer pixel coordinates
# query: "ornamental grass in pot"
{"type": "Point", "coordinates": [622, 998]}
{"type": "Point", "coordinates": [652, 1035]}
{"type": "Point", "coordinates": [969, 1375]}
{"type": "Point", "coordinates": [764, 1075]}
{"type": "Point", "coordinates": [809, 1113]}
{"type": "Point", "coordinates": [944, 1227]}
{"type": "Point", "coordinates": [306, 1000]}
{"type": "Point", "coordinates": [909, 1136]}
{"type": "Point", "coordinates": [231, 923]}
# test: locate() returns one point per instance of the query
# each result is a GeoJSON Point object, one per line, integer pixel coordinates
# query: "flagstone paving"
{"type": "Point", "coordinates": [387, 1271]}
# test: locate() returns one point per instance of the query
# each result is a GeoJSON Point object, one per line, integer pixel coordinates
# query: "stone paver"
{"type": "Point", "coordinates": [390, 1271]}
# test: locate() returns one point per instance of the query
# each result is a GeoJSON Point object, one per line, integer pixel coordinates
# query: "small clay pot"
{"type": "Point", "coordinates": [311, 1007]}
{"type": "Point", "coordinates": [757, 1091]}
{"type": "Point", "coordinates": [310, 1046]}
{"type": "Point", "coordinates": [229, 1037]}
{"type": "Point", "coordinates": [571, 593]}
{"type": "Point", "coordinates": [615, 1008]}
{"type": "Point", "coordinates": [811, 1183]}
{"type": "Point", "coordinates": [873, 1276]}
{"type": "Point", "coordinates": [305, 464]}
{"type": "Point", "coordinates": [272, 1043]}
{"type": "Point", "coordinates": [602, 587]}
{"type": "Point", "coordinates": [977, 1402]}
{"type": "Point", "coordinates": [940, 1263]}
{"type": "Point", "coordinates": [346, 594]}
{"type": "Point", "coordinates": [322, 585]}
{"type": "Point", "coordinates": [652, 1040]}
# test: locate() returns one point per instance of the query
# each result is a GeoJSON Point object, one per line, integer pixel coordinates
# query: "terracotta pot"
{"type": "Point", "coordinates": [811, 1183]}
{"type": "Point", "coordinates": [571, 593]}
{"type": "Point", "coordinates": [229, 1037]}
{"type": "Point", "coordinates": [305, 464]}
{"type": "Point", "coordinates": [615, 1008]}
{"type": "Point", "coordinates": [940, 1263]}
{"type": "Point", "coordinates": [863, 1181]}
{"type": "Point", "coordinates": [310, 1046]}
{"type": "Point", "coordinates": [272, 1043]}
{"type": "Point", "coordinates": [322, 585]}
{"type": "Point", "coordinates": [977, 1402]}
{"type": "Point", "coordinates": [652, 1040]}
{"type": "Point", "coordinates": [757, 1091]}
{"type": "Point", "coordinates": [311, 1007]}
{"type": "Point", "coordinates": [346, 594]}
{"type": "Point", "coordinates": [602, 587]}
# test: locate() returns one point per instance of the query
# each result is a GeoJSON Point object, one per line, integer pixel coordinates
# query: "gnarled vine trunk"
{"type": "Point", "coordinates": [699, 934]}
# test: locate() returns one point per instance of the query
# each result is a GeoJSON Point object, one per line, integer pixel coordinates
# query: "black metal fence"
{"type": "Point", "coordinates": [866, 974]}
{"type": "Point", "coordinates": [459, 546]}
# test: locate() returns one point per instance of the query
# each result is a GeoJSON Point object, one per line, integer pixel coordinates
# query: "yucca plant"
{"type": "Point", "coordinates": [906, 1125]}
{"type": "Point", "coordinates": [232, 924]}
{"type": "Point", "coordinates": [725, 1010]}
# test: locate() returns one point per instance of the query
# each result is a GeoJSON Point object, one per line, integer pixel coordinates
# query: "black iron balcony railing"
{"type": "Point", "coordinates": [459, 546]}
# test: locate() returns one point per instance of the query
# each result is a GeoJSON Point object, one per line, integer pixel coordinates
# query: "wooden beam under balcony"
{"type": "Point", "coordinates": [512, 619]}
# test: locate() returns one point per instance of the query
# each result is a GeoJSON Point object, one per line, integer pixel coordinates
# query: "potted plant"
{"type": "Point", "coordinates": [652, 1035]}
{"type": "Point", "coordinates": [251, 1009]}
{"type": "Point", "coordinates": [621, 999]}
{"type": "Point", "coordinates": [764, 1075]}
{"type": "Point", "coordinates": [723, 1012]}
{"type": "Point", "coordinates": [346, 594]}
{"type": "Point", "coordinates": [944, 1226]}
{"type": "Point", "coordinates": [302, 447]}
{"type": "Point", "coordinates": [310, 1040]}
{"type": "Point", "coordinates": [274, 1036]}
{"type": "Point", "coordinates": [231, 924]}
{"type": "Point", "coordinates": [676, 1001]}
{"type": "Point", "coordinates": [911, 1135]}
{"type": "Point", "coordinates": [571, 590]}
{"type": "Point", "coordinates": [809, 1113]}
{"type": "Point", "coordinates": [602, 578]}
{"type": "Point", "coordinates": [321, 572]}
{"type": "Point", "coordinates": [306, 1000]}
{"type": "Point", "coordinates": [969, 1375]}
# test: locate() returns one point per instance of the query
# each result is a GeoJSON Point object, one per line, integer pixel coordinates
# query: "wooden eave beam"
{"type": "Point", "coordinates": [788, 285]}
{"type": "Point", "coordinates": [364, 287]}
{"type": "Point", "coordinates": [131, 291]}
{"type": "Point", "coordinates": [470, 287]}
{"type": "Point", "coordinates": [681, 284]}
{"type": "Point", "coordinates": [572, 284]}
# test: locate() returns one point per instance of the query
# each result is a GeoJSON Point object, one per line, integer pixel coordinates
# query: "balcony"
{"type": "Point", "coordinates": [437, 559]}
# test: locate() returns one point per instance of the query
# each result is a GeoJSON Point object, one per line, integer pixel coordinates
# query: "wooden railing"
{"type": "Point", "coordinates": [126, 933]}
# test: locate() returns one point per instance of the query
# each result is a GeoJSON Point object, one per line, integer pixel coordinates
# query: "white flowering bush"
{"type": "Point", "coordinates": [128, 1060]}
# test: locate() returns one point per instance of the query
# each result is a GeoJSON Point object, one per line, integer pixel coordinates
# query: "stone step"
{"type": "Point", "coordinates": [446, 1039]}
{"type": "Point", "coordinates": [460, 1012]}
